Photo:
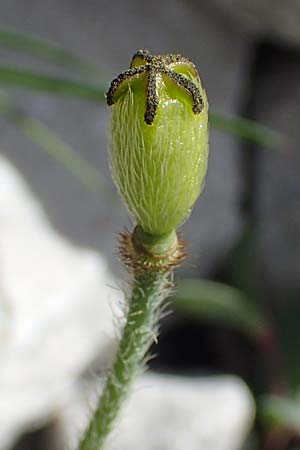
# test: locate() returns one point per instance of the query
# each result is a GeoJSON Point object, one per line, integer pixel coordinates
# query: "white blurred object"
{"type": "Point", "coordinates": [56, 310]}
{"type": "Point", "coordinates": [56, 316]}
{"type": "Point", "coordinates": [172, 413]}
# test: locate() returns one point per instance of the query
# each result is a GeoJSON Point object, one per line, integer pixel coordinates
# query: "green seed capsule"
{"type": "Point", "coordinates": [158, 139]}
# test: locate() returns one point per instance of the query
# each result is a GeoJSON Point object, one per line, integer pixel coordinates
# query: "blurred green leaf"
{"type": "Point", "coordinates": [36, 46]}
{"type": "Point", "coordinates": [243, 128]}
{"type": "Point", "coordinates": [287, 326]}
{"type": "Point", "coordinates": [42, 48]}
{"type": "Point", "coordinates": [53, 145]}
{"type": "Point", "coordinates": [11, 76]}
{"type": "Point", "coordinates": [248, 129]}
{"type": "Point", "coordinates": [243, 265]}
{"type": "Point", "coordinates": [281, 412]}
{"type": "Point", "coordinates": [212, 301]}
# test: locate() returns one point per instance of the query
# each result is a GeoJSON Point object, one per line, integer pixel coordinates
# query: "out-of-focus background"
{"type": "Point", "coordinates": [227, 371]}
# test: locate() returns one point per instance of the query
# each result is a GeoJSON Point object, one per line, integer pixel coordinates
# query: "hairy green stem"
{"type": "Point", "coordinates": [149, 289]}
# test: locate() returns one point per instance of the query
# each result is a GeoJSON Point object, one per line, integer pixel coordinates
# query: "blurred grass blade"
{"type": "Point", "coordinates": [248, 129]}
{"type": "Point", "coordinates": [237, 126]}
{"type": "Point", "coordinates": [35, 46]}
{"type": "Point", "coordinates": [53, 145]}
{"type": "Point", "coordinates": [12, 76]}
{"type": "Point", "coordinates": [280, 412]}
{"type": "Point", "coordinates": [216, 302]}
{"type": "Point", "coordinates": [287, 327]}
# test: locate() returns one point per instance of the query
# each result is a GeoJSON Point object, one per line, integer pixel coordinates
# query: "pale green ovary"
{"type": "Point", "coordinates": [158, 169]}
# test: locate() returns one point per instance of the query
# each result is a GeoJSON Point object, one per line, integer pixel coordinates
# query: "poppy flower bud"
{"type": "Point", "coordinates": [158, 139]}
